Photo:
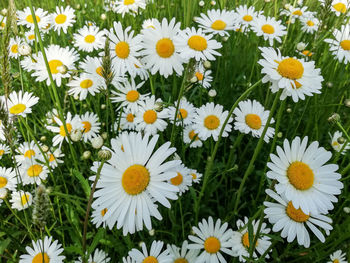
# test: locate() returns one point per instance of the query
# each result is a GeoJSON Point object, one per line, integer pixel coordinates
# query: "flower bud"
{"type": "Point", "coordinates": [151, 232]}
{"type": "Point", "coordinates": [346, 210]}
{"type": "Point", "coordinates": [24, 49]}
{"type": "Point", "coordinates": [4, 12]}
{"type": "Point", "coordinates": [158, 106]}
{"type": "Point", "coordinates": [43, 138]}
{"type": "Point", "coordinates": [62, 69]}
{"type": "Point", "coordinates": [212, 93]}
{"type": "Point", "coordinates": [289, 110]}
{"type": "Point", "coordinates": [103, 106]}
{"type": "Point", "coordinates": [301, 46]}
{"type": "Point", "coordinates": [104, 154]}
{"type": "Point", "coordinates": [334, 118]}
{"type": "Point", "coordinates": [212, 3]}
{"type": "Point", "coordinates": [201, 3]}
{"type": "Point", "coordinates": [76, 135]}
{"type": "Point", "coordinates": [207, 64]}
{"type": "Point", "coordinates": [103, 16]}
{"type": "Point", "coordinates": [86, 155]}
{"type": "Point", "coordinates": [341, 140]}
{"type": "Point", "coordinates": [279, 135]}
{"type": "Point", "coordinates": [97, 142]}
{"type": "Point", "coordinates": [104, 135]}
{"type": "Point", "coordinates": [347, 103]}
{"type": "Point", "coordinates": [45, 148]}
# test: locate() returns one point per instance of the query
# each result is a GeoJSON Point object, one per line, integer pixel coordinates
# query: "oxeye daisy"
{"type": "Point", "coordinates": [58, 58]}
{"type": "Point", "coordinates": [284, 216]}
{"type": "Point", "coordinates": [28, 63]}
{"type": "Point", "coordinates": [2, 22]}
{"type": "Point", "coordinates": [25, 18]}
{"type": "Point", "coordinates": [209, 120]}
{"type": "Point", "coordinates": [89, 38]}
{"type": "Point", "coordinates": [269, 28]}
{"type": "Point", "coordinates": [21, 200]}
{"type": "Point", "coordinates": [193, 43]}
{"type": "Point", "coordinates": [91, 126]}
{"type": "Point", "coordinates": [99, 256]}
{"type": "Point", "coordinates": [4, 149]}
{"type": "Point", "coordinates": [98, 216]}
{"type": "Point", "coordinates": [54, 157]}
{"type": "Point", "coordinates": [212, 240]}
{"type": "Point", "coordinates": [309, 24]}
{"type": "Point", "coordinates": [182, 180]}
{"type": "Point", "coordinates": [127, 121]}
{"type": "Point", "coordinates": [83, 85]}
{"type": "Point", "coordinates": [296, 77]}
{"type": "Point", "coordinates": [240, 239]}
{"type": "Point", "coordinates": [196, 177]}
{"type": "Point", "coordinates": [129, 6]}
{"type": "Point", "coordinates": [13, 47]}
{"type": "Point", "coordinates": [294, 13]}
{"type": "Point", "coordinates": [20, 104]}
{"type": "Point", "coordinates": [191, 137]}
{"type": "Point", "coordinates": [27, 151]}
{"type": "Point", "coordinates": [340, 45]}
{"type": "Point", "coordinates": [149, 23]}
{"type": "Point", "coordinates": [154, 256]}
{"type": "Point", "coordinates": [148, 119]}
{"type": "Point", "coordinates": [141, 72]}
{"type": "Point", "coordinates": [185, 113]}
{"type": "Point", "coordinates": [8, 180]}
{"type": "Point", "coordinates": [128, 260]}
{"type": "Point", "coordinates": [203, 75]}
{"type": "Point", "coordinates": [338, 257]}
{"type": "Point", "coordinates": [245, 16]}
{"type": "Point", "coordinates": [33, 172]}
{"type": "Point", "coordinates": [339, 7]}
{"type": "Point", "coordinates": [251, 117]}
{"type": "Point", "coordinates": [134, 180]}
{"type": "Point", "coordinates": [62, 19]}
{"type": "Point", "coordinates": [303, 176]}
{"type": "Point", "coordinates": [339, 146]}
{"type": "Point", "coordinates": [160, 53]}
{"type": "Point", "coordinates": [31, 37]}
{"type": "Point", "coordinates": [183, 254]}
{"type": "Point", "coordinates": [216, 21]}
{"type": "Point", "coordinates": [45, 251]}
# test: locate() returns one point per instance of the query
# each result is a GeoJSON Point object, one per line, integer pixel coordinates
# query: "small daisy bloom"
{"type": "Point", "coordinates": [91, 126]}
{"type": "Point", "coordinates": [284, 216]}
{"type": "Point", "coordinates": [251, 117]}
{"type": "Point", "coordinates": [89, 38]}
{"type": "Point", "coordinates": [340, 45]}
{"type": "Point", "coordinates": [149, 23]}
{"type": "Point", "coordinates": [98, 216]}
{"type": "Point", "coordinates": [183, 254]}
{"type": "Point", "coordinates": [303, 176]}
{"type": "Point", "coordinates": [129, 6]}
{"type": "Point", "coordinates": [21, 200]}
{"type": "Point", "coordinates": [81, 86]}
{"type": "Point", "coordinates": [185, 113]}
{"type": "Point", "coordinates": [294, 13]}
{"type": "Point", "coordinates": [20, 104]}
{"type": "Point", "coordinates": [209, 120]}
{"type": "Point", "coordinates": [43, 251]}
{"type": "Point", "coordinates": [31, 37]}
{"type": "Point", "coordinates": [154, 255]}
{"type": "Point", "coordinates": [127, 121]}
{"type": "Point", "coordinates": [240, 239]}
{"type": "Point", "coordinates": [212, 240]}
{"type": "Point", "coordinates": [2, 22]}
{"type": "Point", "coordinates": [28, 63]}
{"type": "Point", "coordinates": [62, 19]}
{"type": "Point", "coordinates": [296, 77]}
{"type": "Point", "coordinates": [4, 149]}
{"type": "Point", "coordinates": [191, 137]}
{"type": "Point", "coordinates": [339, 7]}
{"type": "Point", "coordinates": [8, 180]}
{"type": "Point", "coordinates": [216, 22]}
{"type": "Point", "coordinates": [269, 28]}
{"type": "Point", "coordinates": [196, 177]}
{"type": "Point", "coordinates": [339, 146]}
{"type": "Point", "coordinates": [99, 256]}
{"type": "Point", "coordinates": [203, 75]}
{"type": "Point", "coordinates": [309, 24]}
{"type": "Point", "coordinates": [338, 257]}
{"type": "Point", "coordinates": [53, 157]}
{"type": "Point", "coordinates": [33, 172]}
{"type": "Point", "coordinates": [182, 180]}
{"type": "Point", "coordinates": [27, 151]}
{"type": "Point", "coordinates": [25, 18]}
{"type": "Point", "coordinates": [13, 47]}
{"type": "Point", "coordinates": [245, 16]}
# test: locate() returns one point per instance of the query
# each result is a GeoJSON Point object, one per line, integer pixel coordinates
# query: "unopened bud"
{"type": "Point", "coordinates": [86, 155]}
{"type": "Point", "coordinates": [97, 142]}
{"type": "Point", "coordinates": [212, 3]}
{"type": "Point", "coordinates": [301, 46]}
{"type": "Point", "coordinates": [104, 154]}
{"type": "Point", "coordinates": [76, 135]}
{"type": "Point", "coordinates": [279, 135]}
{"type": "Point", "coordinates": [141, 243]}
{"type": "Point", "coordinates": [104, 135]}
{"type": "Point", "coordinates": [329, 84]}
{"type": "Point", "coordinates": [346, 209]}
{"type": "Point", "coordinates": [207, 64]}
{"type": "Point", "coordinates": [334, 118]}
{"type": "Point", "coordinates": [212, 93]}
{"type": "Point", "coordinates": [43, 138]}
{"type": "Point", "coordinates": [158, 106]}
{"type": "Point", "coordinates": [201, 3]}
{"type": "Point", "coordinates": [45, 148]}
{"type": "Point", "coordinates": [24, 49]}
{"type": "Point", "coordinates": [151, 232]}
{"type": "Point", "coordinates": [103, 106]}
{"type": "Point", "coordinates": [103, 16]}
{"type": "Point", "coordinates": [289, 110]}
{"type": "Point", "coordinates": [341, 140]}
{"type": "Point", "coordinates": [77, 6]}
{"type": "Point", "coordinates": [4, 12]}
{"type": "Point", "coordinates": [62, 69]}
{"type": "Point", "coordinates": [347, 103]}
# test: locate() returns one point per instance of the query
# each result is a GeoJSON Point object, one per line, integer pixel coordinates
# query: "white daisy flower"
{"type": "Point", "coordinates": [149, 23]}
{"type": "Point", "coordinates": [25, 18]}
{"type": "Point", "coordinates": [183, 254]}
{"type": "Point", "coordinates": [28, 63]}
{"type": "Point", "coordinates": [4, 149]}
{"type": "Point", "coordinates": [43, 251]}
{"type": "Point", "coordinates": [13, 47]}
{"type": "Point", "coordinates": [128, 260]}
{"type": "Point", "coordinates": [53, 157]}
{"type": "Point", "coordinates": [160, 53]}
{"type": "Point", "coordinates": [89, 38]}
{"type": "Point", "coordinates": [212, 240]}
{"type": "Point", "coordinates": [21, 200]}
{"type": "Point", "coordinates": [97, 217]}
{"type": "Point", "coordinates": [338, 257]}
{"type": "Point", "coordinates": [216, 21]}
{"type": "Point", "coordinates": [27, 151]}
{"type": "Point", "coordinates": [2, 132]}
{"type": "Point", "coordinates": [203, 75]}
{"type": "Point", "coordinates": [20, 104]}
{"type": "Point", "coordinates": [244, 17]}
{"type": "Point", "coordinates": [129, 6]}
{"type": "Point", "coordinates": [8, 180]}
{"type": "Point", "coordinates": [340, 45]}
{"type": "Point", "coordinates": [99, 257]}
{"type": "Point", "coordinates": [196, 177]}
{"type": "Point", "coordinates": [62, 19]}
{"type": "Point", "coordinates": [209, 121]}
{"type": "Point", "coordinates": [309, 24]}
{"type": "Point", "coordinates": [33, 172]}
{"type": "Point", "coordinates": [148, 119]}
{"type": "Point", "coordinates": [155, 254]}
{"type": "Point", "coordinates": [182, 180]}
{"type": "Point", "coordinates": [127, 121]}
{"type": "Point", "coordinates": [191, 137]}
{"type": "Point", "coordinates": [294, 13]}
{"type": "Point", "coordinates": [50, 116]}
{"type": "Point", "coordinates": [141, 72]}
{"type": "Point", "coordinates": [133, 180]}
{"type": "Point", "coordinates": [91, 126]}
{"type": "Point", "coordinates": [269, 28]}
{"type": "Point", "coordinates": [185, 113]}
{"type": "Point", "coordinates": [296, 77]}
{"type": "Point", "coordinates": [251, 117]}
{"type": "Point", "coordinates": [240, 239]}
{"type": "Point", "coordinates": [304, 177]}
{"type": "Point", "coordinates": [83, 85]}
{"type": "Point", "coordinates": [284, 216]}
{"type": "Point", "coordinates": [338, 146]}
{"type": "Point", "coordinates": [339, 7]}
{"type": "Point", "coordinates": [2, 22]}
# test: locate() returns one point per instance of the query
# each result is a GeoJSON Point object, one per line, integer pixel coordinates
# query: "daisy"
{"type": "Point", "coordinates": [129, 6]}
{"type": "Point", "coordinates": [191, 137]}
{"type": "Point", "coordinates": [21, 104]}
{"type": "Point", "coordinates": [212, 240]}
{"type": "Point", "coordinates": [141, 72]}
{"type": "Point", "coordinates": [251, 117]}
{"type": "Point", "coordinates": [304, 177]}
{"type": "Point", "coordinates": [339, 146]}
{"type": "Point", "coordinates": [295, 76]}
{"type": "Point", "coordinates": [31, 37]}
{"type": "Point", "coordinates": [53, 157]}
{"type": "Point", "coordinates": [89, 38]}
{"type": "Point", "coordinates": [193, 43]}
{"type": "Point", "coordinates": [160, 53]}
{"type": "Point", "coordinates": [245, 16]}
{"type": "Point", "coordinates": [4, 149]}
{"type": "Point", "coordinates": [2, 132]}
{"type": "Point", "coordinates": [21, 200]}
{"type": "Point", "coordinates": [269, 28]}
{"type": "Point", "coordinates": [99, 257]}
{"type": "Point", "coordinates": [28, 63]}
{"type": "Point", "coordinates": [8, 180]}
{"type": "Point", "coordinates": [43, 251]}
{"type": "Point", "coordinates": [154, 255]}
{"type": "Point", "coordinates": [13, 47]}
{"type": "Point", "coordinates": [182, 180]}
{"type": "Point", "coordinates": [209, 120]}
{"type": "Point", "coordinates": [340, 46]}
{"type": "Point", "coordinates": [149, 23]}
{"type": "Point", "coordinates": [183, 254]}
{"type": "Point", "coordinates": [2, 22]}
{"type": "Point", "coordinates": [33, 172]}
{"type": "Point", "coordinates": [339, 7]}
{"type": "Point", "coordinates": [196, 177]}
{"type": "Point", "coordinates": [98, 216]}
{"type": "Point", "coordinates": [62, 19]}
{"type": "Point", "coordinates": [83, 85]}
{"type": "Point", "coordinates": [134, 180]}
{"type": "Point", "coordinates": [338, 257]}
{"type": "Point", "coordinates": [216, 21]}
{"type": "Point", "coordinates": [203, 76]}
{"type": "Point", "coordinates": [25, 18]}
{"type": "Point", "coordinates": [148, 119]}
{"type": "Point", "coordinates": [127, 121]}
{"type": "Point", "coordinates": [240, 239]}
{"type": "Point", "coordinates": [27, 151]}
{"type": "Point", "coordinates": [294, 13]}
{"type": "Point", "coordinates": [284, 216]}
{"type": "Point", "coordinates": [185, 113]}
{"type": "Point", "coordinates": [128, 260]}
{"type": "Point", "coordinates": [309, 24]}
{"type": "Point", "coordinates": [58, 58]}
{"type": "Point", "coordinates": [91, 126]}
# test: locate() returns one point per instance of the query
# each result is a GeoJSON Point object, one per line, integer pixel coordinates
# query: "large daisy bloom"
{"type": "Point", "coordinates": [183, 254]}
{"type": "Point", "coordinates": [160, 53]}
{"type": "Point", "coordinates": [20, 104]}
{"type": "Point", "coordinates": [8, 180]}
{"type": "Point", "coordinates": [25, 18]}
{"type": "Point", "coordinates": [216, 21]}
{"type": "Point", "coordinates": [251, 117]}
{"type": "Point", "coordinates": [209, 121]}
{"type": "Point", "coordinates": [339, 7]}
{"type": "Point", "coordinates": [338, 146]}
{"type": "Point", "coordinates": [21, 200]}
{"type": "Point", "coordinates": [62, 19]}
{"type": "Point", "coordinates": [185, 113]}
{"type": "Point", "coordinates": [240, 239]}
{"type": "Point", "coordinates": [340, 45]}
{"type": "Point", "coordinates": [294, 13]}
{"type": "Point", "coordinates": [99, 256]}
{"type": "Point", "coordinates": [295, 76]}
{"type": "Point", "coordinates": [81, 86]}
{"type": "Point", "coordinates": [43, 251]}
{"type": "Point", "coordinates": [245, 16]}
{"type": "Point", "coordinates": [128, 6]}
{"type": "Point", "coordinates": [338, 257]}
{"type": "Point", "coordinates": [310, 24]}
{"type": "Point", "coordinates": [89, 38]}
{"type": "Point", "coordinates": [27, 151]}
{"type": "Point", "coordinates": [134, 180]}
{"type": "Point", "coordinates": [284, 216]}
{"type": "Point", "coordinates": [213, 240]}
{"type": "Point", "coordinates": [269, 28]}
{"type": "Point", "coordinates": [303, 177]}
{"type": "Point", "coordinates": [153, 256]}
{"type": "Point", "coordinates": [33, 172]}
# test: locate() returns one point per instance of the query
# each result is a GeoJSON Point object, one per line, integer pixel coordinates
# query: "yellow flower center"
{"type": "Point", "coordinates": [54, 64]}
{"type": "Point", "coordinates": [132, 96]}
{"type": "Point", "coordinates": [3, 182]}
{"type": "Point", "coordinates": [86, 83]}
{"type": "Point", "coordinates": [211, 122]}
{"type": "Point", "coordinates": [51, 158]}
{"type": "Point", "coordinates": [300, 175]}
{"type": "Point", "coordinates": [2, 152]}
{"type": "Point", "coordinates": [310, 23]}
{"type": "Point", "coordinates": [307, 53]}
{"type": "Point", "coordinates": [182, 114]}
{"type": "Point", "coordinates": [177, 180]}
{"type": "Point", "coordinates": [194, 176]}
{"type": "Point", "coordinates": [99, 71]}
{"type": "Point", "coordinates": [41, 258]}
{"type": "Point", "coordinates": [129, 2]}
{"type": "Point", "coordinates": [60, 19]}
{"type": "Point", "coordinates": [30, 19]}
{"type": "Point", "coordinates": [291, 68]}
{"type": "Point", "coordinates": [296, 214]}
{"type": "Point", "coordinates": [165, 48]}
{"type": "Point", "coordinates": [268, 29]}
{"type": "Point", "coordinates": [199, 76]}
{"type": "Point", "coordinates": [104, 211]}
{"type": "Point", "coordinates": [245, 240]}
{"type": "Point", "coordinates": [24, 199]}
{"type": "Point", "coordinates": [193, 135]}
{"type": "Point", "coordinates": [297, 13]}
{"type": "Point", "coordinates": [17, 109]}
{"type": "Point", "coordinates": [253, 121]}
{"type": "Point", "coordinates": [34, 170]}
{"type": "Point", "coordinates": [212, 245]}
{"type": "Point", "coordinates": [336, 261]}
{"type": "Point", "coordinates": [340, 7]}
{"type": "Point", "coordinates": [14, 48]}
{"type": "Point", "coordinates": [150, 116]}
{"type": "Point", "coordinates": [345, 44]}
{"type": "Point", "coordinates": [297, 85]}
{"type": "Point", "coordinates": [122, 50]}
{"type": "Point", "coordinates": [247, 18]}
{"type": "Point", "coordinates": [135, 179]}
{"type": "Point", "coordinates": [31, 37]}
{"type": "Point", "coordinates": [63, 132]}
{"type": "Point", "coordinates": [87, 126]}
{"type": "Point", "coordinates": [89, 39]}
{"type": "Point", "coordinates": [29, 153]}
{"type": "Point", "coordinates": [218, 25]}
{"type": "Point", "coordinates": [130, 117]}
{"type": "Point", "coordinates": [150, 259]}
{"type": "Point", "coordinates": [181, 260]}
{"type": "Point", "coordinates": [198, 43]}
{"type": "Point", "coordinates": [335, 143]}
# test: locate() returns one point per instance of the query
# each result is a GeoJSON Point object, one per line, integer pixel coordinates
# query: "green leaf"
{"type": "Point", "coordinates": [83, 182]}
